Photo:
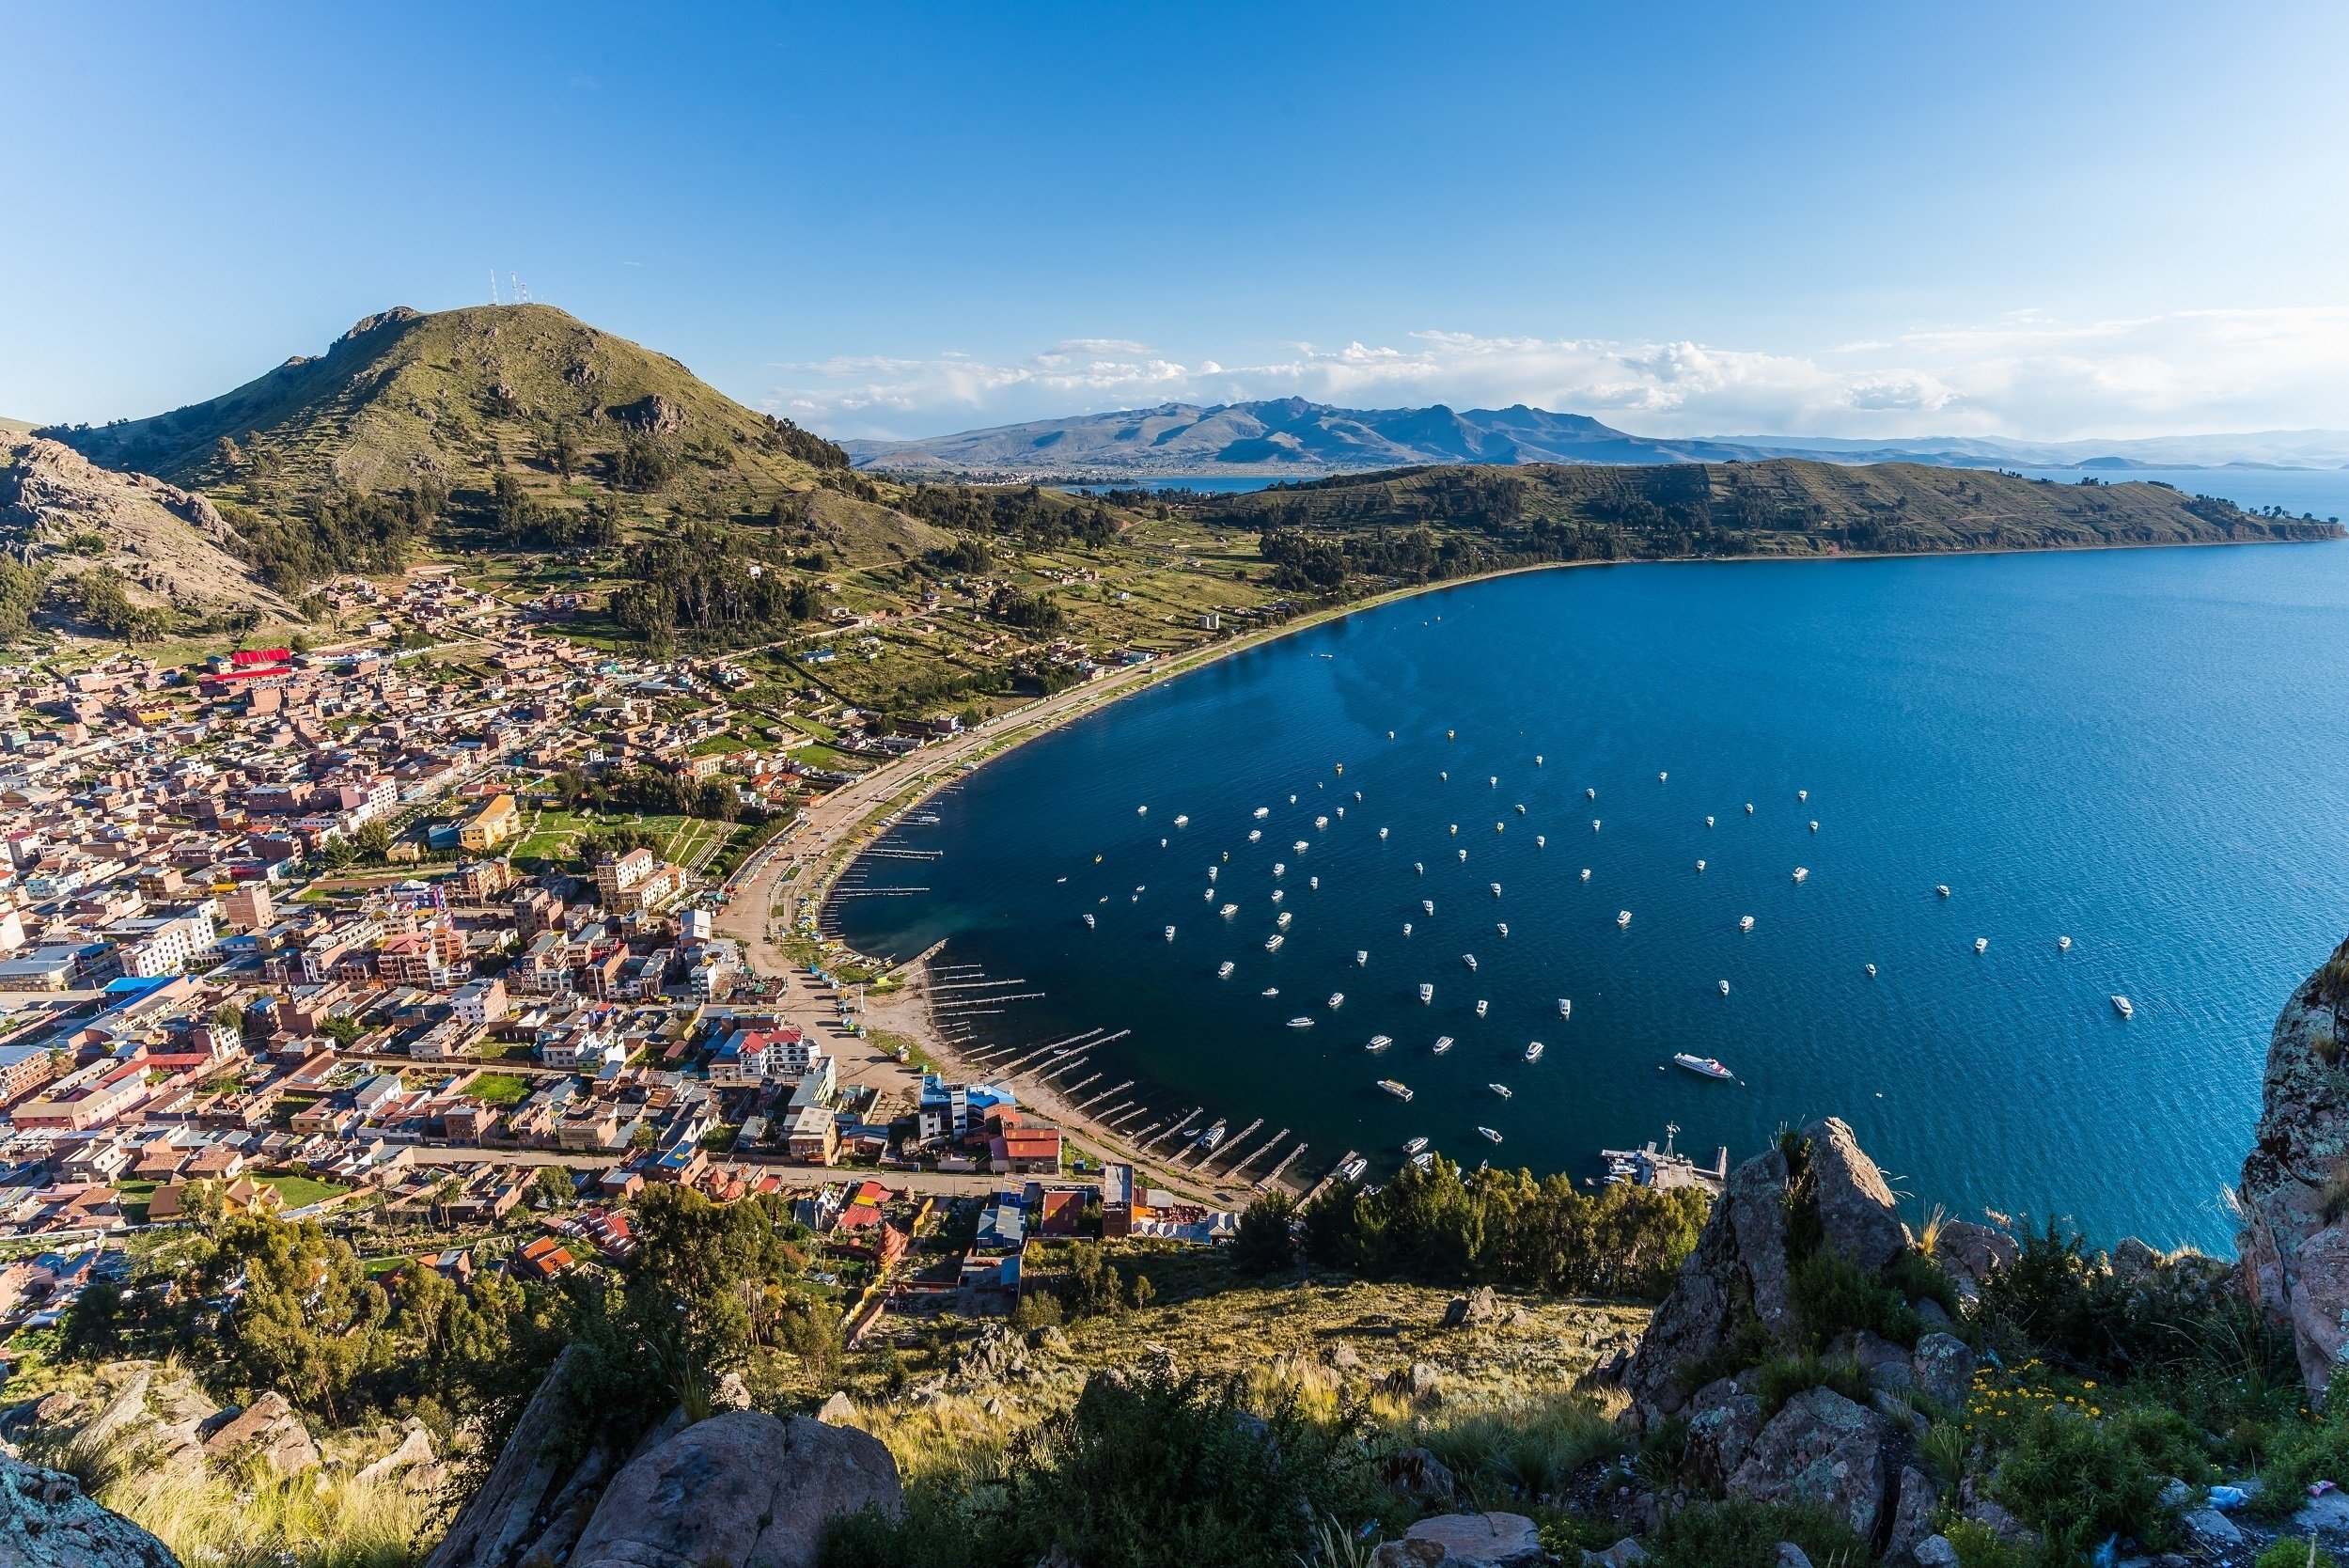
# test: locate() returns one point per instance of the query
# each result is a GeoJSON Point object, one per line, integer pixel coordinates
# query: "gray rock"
{"type": "Point", "coordinates": [2133, 1262]}
{"type": "Point", "coordinates": [1792, 1555]}
{"type": "Point", "coordinates": [740, 1488]}
{"type": "Point", "coordinates": [2327, 1512]}
{"type": "Point", "coordinates": [270, 1428]}
{"type": "Point", "coordinates": [2005, 1525]}
{"type": "Point", "coordinates": [1343, 1357]}
{"type": "Point", "coordinates": [1481, 1539]}
{"type": "Point", "coordinates": [1970, 1253]}
{"type": "Point", "coordinates": [1855, 1207]}
{"type": "Point", "coordinates": [538, 1496]}
{"type": "Point", "coordinates": [1049, 1340]}
{"type": "Point", "coordinates": [1881, 1362]}
{"type": "Point", "coordinates": [1913, 1510]}
{"type": "Point", "coordinates": [732, 1393]}
{"type": "Point", "coordinates": [1935, 1551]}
{"type": "Point", "coordinates": [1737, 1273]}
{"type": "Point", "coordinates": [416, 1448]}
{"type": "Point", "coordinates": [839, 1410]}
{"type": "Point", "coordinates": [1904, 1416]}
{"type": "Point", "coordinates": [1409, 1554]}
{"type": "Point", "coordinates": [1623, 1554]}
{"type": "Point", "coordinates": [1417, 1475]}
{"type": "Point", "coordinates": [1419, 1383]}
{"type": "Point", "coordinates": [1943, 1369]}
{"type": "Point", "coordinates": [45, 1522]}
{"type": "Point", "coordinates": [1935, 1315]}
{"type": "Point", "coordinates": [2212, 1528]}
{"type": "Point", "coordinates": [1722, 1425]}
{"type": "Point", "coordinates": [1476, 1309]}
{"type": "Point", "coordinates": [1821, 1449]}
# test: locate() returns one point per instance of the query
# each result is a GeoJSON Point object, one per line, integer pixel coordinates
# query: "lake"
{"type": "Point", "coordinates": [2139, 749]}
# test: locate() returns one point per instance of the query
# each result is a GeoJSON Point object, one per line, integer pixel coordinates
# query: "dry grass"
{"type": "Point", "coordinates": [305, 1521]}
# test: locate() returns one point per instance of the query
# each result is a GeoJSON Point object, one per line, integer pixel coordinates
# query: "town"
{"type": "Point", "coordinates": [324, 932]}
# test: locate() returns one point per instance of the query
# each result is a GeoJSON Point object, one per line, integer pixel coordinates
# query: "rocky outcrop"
{"type": "Point", "coordinates": [45, 1522]}
{"type": "Point", "coordinates": [538, 1495]}
{"type": "Point", "coordinates": [1732, 1293]}
{"type": "Point", "coordinates": [738, 1488]}
{"type": "Point", "coordinates": [1466, 1540]}
{"type": "Point", "coordinates": [269, 1430]}
{"type": "Point", "coordinates": [2294, 1192]}
{"type": "Point", "coordinates": [1821, 1449]}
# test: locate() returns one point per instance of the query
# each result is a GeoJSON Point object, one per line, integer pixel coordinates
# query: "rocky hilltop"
{"type": "Point", "coordinates": [2294, 1192]}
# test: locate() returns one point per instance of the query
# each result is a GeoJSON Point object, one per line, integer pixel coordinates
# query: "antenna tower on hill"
{"type": "Point", "coordinates": [494, 286]}
{"type": "Point", "coordinates": [520, 289]}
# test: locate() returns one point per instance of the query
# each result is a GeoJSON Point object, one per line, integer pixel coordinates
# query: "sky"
{"type": "Point", "coordinates": [2042, 221]}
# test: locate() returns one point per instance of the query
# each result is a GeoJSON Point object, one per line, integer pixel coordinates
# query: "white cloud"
{"type": "Point", "coordinates": [2027, 375]}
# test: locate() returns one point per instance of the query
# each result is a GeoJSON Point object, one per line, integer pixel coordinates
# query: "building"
{"type": "Point", "coordinates": [480, 1003]}
{"type": "Point", "coordinates": [814, 1135]}
{"type": "Point", "coordinates": [248, 907]}
{"type": "Point", "coordinates": [489, 825]}
{"type": "Point", "coordinates": [637, 880]}
{"type": "Point", "coordinates": [759, 1055]}
{"type": "Point", "coordinates": [958, 1111]}
{"type": "Point", "coordinates": [1026, 1151]}
{"type": "Point", "coordinates": [24, 1068]}
{"type": "Point", "coordinates": [163, 943]}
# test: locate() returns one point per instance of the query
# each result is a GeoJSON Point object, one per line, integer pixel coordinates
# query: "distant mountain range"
{"type": "Point", "coordinates": [1291, 436]}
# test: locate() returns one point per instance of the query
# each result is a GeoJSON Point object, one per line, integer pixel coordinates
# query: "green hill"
{"type": "Point", "coordinates": [456, 399]}
{"type": "Point", "coordinates": [1422, 522]}
{"type": "Point", "coordinates": [17, 426]}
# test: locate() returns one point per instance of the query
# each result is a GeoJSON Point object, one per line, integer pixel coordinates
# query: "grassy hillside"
{"type": "Point", "coordinates": [456, 400]}
{"type": "Point", "coordinates": [17, 426]}
{"type": "Point", "coordinates": [1444, 522]}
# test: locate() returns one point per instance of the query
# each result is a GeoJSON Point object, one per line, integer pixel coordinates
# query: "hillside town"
{"type": "Point", "coordinates": [289, 931]}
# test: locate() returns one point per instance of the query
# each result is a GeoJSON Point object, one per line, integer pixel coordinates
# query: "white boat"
{"type": "Point", "coordinates": [1443, 1043]}
{"type": "Point", "coordinates": [1745, 922]}
{"type": "Point", "coordinates": [2063, 943]}
{"type": "Point", "coordinates": [1750, 808]}
{"type": "Point", "coordinates": [1814, 826]}
{"type": "Point", "coordinates": [1419, 865]}
{"type": "Point", "coordinates": [1521, 808]}
{"type": "Point", "coordinates": [1300, 846]}
{"type": "Point", "coordinates": [1211, 872]}
{"type": "Point", "coordinates": [1942, 889]}
{"type": "Point", "coordinates": [1229, 910]}
{"type": "Point", "coordinates": [1254, 834]}
{"type": "Point", "coordinates": [1490, 1134]}
{"type": "Point", "coordinates": [1277, 892]}
{"type": "Point", "coordinates": [1361, 957]}
{"type": "Point", "coordinates": [1496, 889]}
{"type": "Point", "coordinates": [1414, 1145]}
{"type": "Point", "coordinates": [1592, 793]}
{"type": "Point", "coordinates": [1170, 934]}
{"type": "Point", "coordinates": [1282, 919]}
{"type": "Point", "coordinates": [1319, 824]}
{"type": "Point", "coordinates": [1540, 840]}
{"type": "Point", "coordinates": [1337, 998]}
{"type": "Point", "coordinates": [1264, 811]}
{"type": "Point", "coordinates": [1270, 991]}
{"type": "Point", "coordinates": [1183, 821]}
{"type": "Point", "coordinates": [1427, 907]}
{"type": "Point", "coordinates": [1378, 1042]}
{"type": "Point", "coordinates": [1424, 1159]}
{"type": "Point", "coordinates": [1352, 1169]}
{"type": "Point", "coordinates": [1427, 993]}
{"type": "Point", "coordinates": [1455, 833]}
{"type": "Point", "coordinates": [1981, 944]}
{"type": "Point", "coordinates": [1565, 1006]}
{"type": "Point", "coordinates": [1662, 777]}
{"type": "Point", "coordinates": [1586, 873]}
{"type": "Point", "coordinates": [1272, 943]}
{"type": "Point", "coordinates": [1594, 824]}
{"type": "Point", "coordinates": [1872, 971]}
{"type": "Point", "coordinates": [1623, 917]}
{"type": "Point", "coordinates": [1469, 958]}
{"type": "Point", "coordinates": [1212, 1136]}
{"type": "Point", "coordinates": [1088, 919]}
{"type": "Point", "coordinates": [1802, 873]}
{"type": "Point", "coordinates": [1141, 810]}
{"type": "Point", "coordinates": [1493, 779]}
{"type": "Point", "coordinates": [1725, 988]}
{"type": "Point", "coordinates": [2123, 1005]}
{"type": "Point", "coordinates": [1399, 1090]}
{"type": "Point", "coordinates": [1704, 1067]}
{"type": "Point", "coordinates": [1482, 1005]}
{"type": "Point", "coordinates": [1280, 867]}
{"type": "Point", "coordinates": [1300, 1023]}
{"type": "Point", "coordinates": [1501, 926]}
{"type": "Point", "coordinates": [1463, 854]}
{"type": "Point", "coordinates": [1223, 970]}
{"type": "Point", "coordinates": [1209, 896]}
{"type": "Point", "coordinates": [1708, 822]}
{"type": "Point", "coordinates": [1382, 833]}
{"type": "Point", "coordinates": [1501, 1090]}
{"type": "Point", "coordinates": [1802, 794]}
{"type": "Point", "coordinates": [1406, 928]}
{"type": "Point", "coordinates": [1533, 1050]}
{"type": "Point", "coordinates": [1701, 865]}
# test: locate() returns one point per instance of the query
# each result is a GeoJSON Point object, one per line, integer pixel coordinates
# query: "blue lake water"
{"type": "Point", "coordinates": [2147, 751]}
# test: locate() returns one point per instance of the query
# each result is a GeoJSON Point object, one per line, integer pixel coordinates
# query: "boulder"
{"type": "Point", "coordinates": [2211, 1529]}
{"type": "Point", "coordinates": [1478, 1540]}
{"type": "Point", "coordinates": [2005, 1525]}
{"type": "Point", "coordinates": [1935, 1551]}
{"type": "Point", "coordinates": [1792, 1555]}
{"type": "Point", "coordinates": [2295, 1256]}
{"type": "Point", "coordinates": [45, 1522]}
{"type": "Point", "coordinates": [416, 1449]}
{"type": "Point", "coordinates": [739, 1488]}
{"type": "Point", "coordinates": [539, 1492]}
{"type": "Point", "coordinates": [1883, 1364]}
{"type": "Point", "coordinates": [1343, 1357]}
{"type": "Point", "coordinates": [1476, 1309]}
{"type": "Point", "coordinates": [996, 1354]}
{"type": "Point", "coordinates": [1821, 1449]}
{"type": "Point", "coordinates": [1623, 1554]}
{"type": "Point", "coordinates": [1049, 1340]}
{"type": "Point", "coordinates": [1723, 1423]}
{"type": "Point", "coordinates": [839, 1410]}
{"type": "Point", "coordinates": [267, 1427]}
{"type": "Point", "coordinates": [1970, 1254]}
{"type": "Point", "coordinates": [1942, 1368]}
{"type": "Point", "coordinates": [1419, 1383]}
{"type": "Point", "coordinates": [1855, 1206]}
{"type": "Point", "coordinates": [1399, 1554]}
{"type": "Point", "coordinates": [1418, 1476]}
{"type": "Point", "coordinates": [1913, 1505]}
{"type": "Point", "coordinates": [125, 1408]}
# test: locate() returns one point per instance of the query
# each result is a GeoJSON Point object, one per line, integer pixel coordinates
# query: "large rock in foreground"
{"type": "Point", "coordinates": [45, 1522]}
{"type": "Point", "coordinates": [741, 1488]}
{"type": "Point", "coordinates": [1824, 1449]}
{"type": "Point", "coordinates": [2295, 1193]}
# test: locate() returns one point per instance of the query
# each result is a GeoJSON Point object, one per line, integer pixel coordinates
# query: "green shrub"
{"type": "Point", "coordinates": [1782, 1377]}
{"type": "Point", "coordinates": [2305, 1451]}
{"type": "Point", "coordinates": [1517, 1453]}
{"type": "Point", "coordinates": [2290, 1552]}
{"type": "Point", "coordinates": [1741, 1533]}
{"type": "Point", "coordinates": [1832, 1294]}
{"type": "Point", "coordinates": [2077, 1481]}
{"type": "Point", "coordinates": [1918, 1278]}
{"type": "Point", "coordinates": [1978, 1545]}
{"type": "Point", "coordinates": [2164, 1441]}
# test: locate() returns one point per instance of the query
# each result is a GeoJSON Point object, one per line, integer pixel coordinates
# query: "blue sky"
{"type": "Point", "coordinates": [2038, 220]}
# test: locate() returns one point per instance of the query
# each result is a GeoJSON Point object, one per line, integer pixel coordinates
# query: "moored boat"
{"type": "Point", "coordinates": [2123, 1005]}
{"type": "Point", "coordinates": [1490, 1134]}
{"type": "Point", "coordinates": [1501, 1090]}
{"type": "Point", "coordinates": [1533, 1050]}
{"type": "Point", "coordinates": [1443, 1043]}
{"type": "Point", "coordinates": [1377, 1042]}
{"type": "Point", "coordinates": [1427, 992]}
{"type": "Point", "coordinates": [1223, 970]}
{"type": "Point", "coordinates": [1399, 1090]}
{"type": "Point", "coordinates": [1704, 1067]}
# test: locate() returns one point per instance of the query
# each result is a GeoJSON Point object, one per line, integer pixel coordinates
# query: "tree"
{"type": "Point", "coordinates": [553, 1184]}
{"type": "Point", "coordinates": [1264, 1243]}
{"type": "Point", "coordinates": [343, 1030]}
{"type": "Point", "coordinates": [373, 841]}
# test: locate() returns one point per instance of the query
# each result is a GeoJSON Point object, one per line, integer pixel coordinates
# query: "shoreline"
{"type": "Point", "coordinates": [825, 853]}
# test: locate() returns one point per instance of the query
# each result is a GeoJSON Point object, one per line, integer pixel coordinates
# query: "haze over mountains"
{"type": "Point", "coordinates": [1291, 436]}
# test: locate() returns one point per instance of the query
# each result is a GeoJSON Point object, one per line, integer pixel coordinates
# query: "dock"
{"type": "Point", "coordinates": [1272, 1177]}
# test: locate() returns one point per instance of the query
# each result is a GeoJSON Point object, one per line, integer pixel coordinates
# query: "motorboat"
{"type": "Point", "coordinates": [1704, 1067]}
{"type": "Point", "coordinates": [2123, 1005]}
{"type": "Point", "coordinates": [1482, 1005]}
{"type": "Point", "coordinates": [1802, 873]}
{"type": "Point", "coordinates": [1183, 821]}
{"type": "Point", "coordinates": [1496, 889]}
{"type": "Point", "coordinates": [1382, 833]}
{"type": "Point", "coordinates": [1255, 834]}
{"type": "Point", "coordinates": [1414, 1145]}
{"type": "Point", "coordinates": [1540, 840]}
{"type": "Point", "coordinates": [1300, 846]}
{"type": "Point", "coordinates": [1750, 808]}
{"type": "Point", "coordinates": [1493, 780]}
{"type": "Point", "coordinates": [1725, 988]}
{"type": "Point", "coordinates": [1623, 917]}
{"type": "Point", "coordinates": [1591, 794]}
{"type": "Point", "coordinates": [1701, 865]}
{"type": "Point", "coordinates": [1210, 1137]}
{"type": "Point", "coordinates": [1300, 1023]}
{"type": "Point", "coordinates": [2063, 943]}
{"type": "Point", "coordinates": [1280, 867]}
{"type": "Point", "coordinates": [1594, 824]}
{"type": "Point", "coordinates": [1282, 919]}
{"type": "Point", "coordinates": [1501, 1090]}
{"type": "Point", "coordinates": [1276, 893]}
{"type": "Point", "coordinates": [1586, 873]}
{"type": "Point", "coordinates": [1469, 958]}
{"type": "Point", "coordinates": [1565, 1006]}
{"type": "Point", "coordinates": [1802, 794]}
{"type": "Point", "coordinates": [1455, 833]}
{"type": "Point", "coordinates": [1089, 922]}
{"type": "Point", "coordinates": [1745, 922]}
{"type": "Point", "coordinates": [1264, 811]}
{"type": "Point", "coordinates": [1490, 1134]}
{"type": "Point", "coordinates": [1406, 928]}
{"type": "Point", "coordinates": [1229, 910]}
{"type": "Point", "coordinates": [1463, 854]}
{"type": "Point", "coordinates": [1420, 866]}
{"type": "Point", "coordinates": [1337, 998]}
{"type": "Point", "coordinates": [1399, 1089]}
{"type": "Point", "coordinates": [1981, 944]}
{"type": "Point", "coordinates": [1872, 971]}
{"type": "Point", "coordinates": [1427, 993]}
{"type": "Point", "coordinates": [1815, 826]}
{"type": "Point", "coordinates": [1223, 970]}
{"type": "Point", "coordinates": [1270, 991]}
{"type": "Point", "coordinates": [1424, 1159]}
{"type": "Point", "coordinates": [1378, 1042]}
{"type": "Point", "coordinates": [1272, 943]}
{"type": "Point", "coordinates": [1942, 889]}
{"type": "Point", "coordinates": [1361, 957]}
{"type": "Point", "coordinates": [1443, 1043]}
{"type": "Point", "coordinates": [1533, 1051]}
{"type": "Point", "coordinates": [1427, 907]}
{"type": "Point", "coordinates": [1319, 824]}
{"type": "Point", "coordinates": [1170, 934]}
{"type": "Point", "coordinates": [1708, 822]}
{"type": "Point", "coordinates": [1141, 810]}
{"type": "Point", "coordinates": [1501, 926]}
{"type": "Point", "coordinates": [1521, 808]}
{"type": "Point", "coordinates": [1352, 1169]}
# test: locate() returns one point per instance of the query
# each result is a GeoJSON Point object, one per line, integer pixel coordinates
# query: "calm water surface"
{"type": "Point", "coordinates": [2147, 751]}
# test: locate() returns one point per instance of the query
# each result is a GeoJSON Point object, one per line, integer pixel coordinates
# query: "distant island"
{"type": "Point", "coordinates": [1291, 437]}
